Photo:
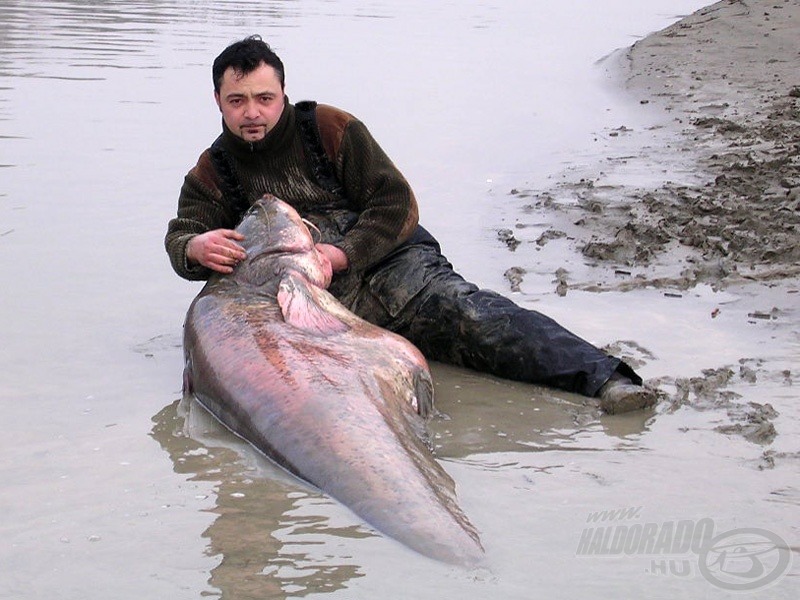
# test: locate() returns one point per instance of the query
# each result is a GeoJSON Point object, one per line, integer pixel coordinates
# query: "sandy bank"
{"type": "Point", "coordinates": [731, 74]}
{"type": "Point", "coordinates": [727, 82]}
{"type": "Point", "coordinates": [720, 206]}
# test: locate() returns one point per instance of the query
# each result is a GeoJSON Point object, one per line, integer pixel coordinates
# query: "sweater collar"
{"type": "Point", "coordinates": [277, 138]}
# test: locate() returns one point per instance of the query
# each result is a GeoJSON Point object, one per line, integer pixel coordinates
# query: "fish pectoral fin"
{"type": "Point", "coordinates": [301, 308]}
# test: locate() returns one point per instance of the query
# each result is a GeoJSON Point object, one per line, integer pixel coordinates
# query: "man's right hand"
{"type": "Point", "coordinates": [216, 249]}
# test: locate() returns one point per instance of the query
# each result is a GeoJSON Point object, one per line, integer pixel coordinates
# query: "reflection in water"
{"type": "Point", "coordinates": [46, 38]}
{"type": "Point", "coordinates": [267, 527]}
{"type": "Point", "coordinates": [485, 415]}
{"type": "Point", "coordinates": [255, 514]}
{"type": "Point", "coordinates": [272, 534]}
{"type": "Point", "coordinates": [42, 37]}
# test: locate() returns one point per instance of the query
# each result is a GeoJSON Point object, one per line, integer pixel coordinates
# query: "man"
{"type": "Point", "coordinates": [383, 265]}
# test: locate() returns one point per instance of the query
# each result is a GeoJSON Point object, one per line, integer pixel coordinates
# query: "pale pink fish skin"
{"type": "Point", "coordinates": [328, 396]}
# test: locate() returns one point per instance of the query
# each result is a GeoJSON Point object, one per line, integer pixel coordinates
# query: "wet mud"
{"type": "Point", "coordinates": [724, 209]}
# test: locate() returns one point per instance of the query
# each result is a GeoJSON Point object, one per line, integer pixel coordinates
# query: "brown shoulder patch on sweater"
{"type": "Point", "coordinates": [332, 123]}
{"type": "Point", "coordinates": [205, 173]}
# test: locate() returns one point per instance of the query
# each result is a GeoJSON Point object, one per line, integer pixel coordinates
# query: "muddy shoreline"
{"type": "Point", "coordinates": [728, 78]}
{"type": "Point", "coordinates": [723, 85]}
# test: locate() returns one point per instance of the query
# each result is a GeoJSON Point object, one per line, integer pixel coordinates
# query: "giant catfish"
{"type": "Point", "coordinates": [331, 398]}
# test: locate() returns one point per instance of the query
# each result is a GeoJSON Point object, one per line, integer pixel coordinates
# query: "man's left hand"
{"type": "Point", "coordinates": [335, 255]}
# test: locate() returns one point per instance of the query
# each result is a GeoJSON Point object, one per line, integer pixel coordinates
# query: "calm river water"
{"type": "Point", "coordinates": [110, 489]}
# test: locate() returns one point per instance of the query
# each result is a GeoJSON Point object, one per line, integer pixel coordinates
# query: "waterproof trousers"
{"type": "Point", "coordinates": [416, 293]}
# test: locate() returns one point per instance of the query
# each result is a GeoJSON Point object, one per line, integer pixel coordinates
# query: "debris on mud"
{"type": "Point", "coordinates": [751, 420]}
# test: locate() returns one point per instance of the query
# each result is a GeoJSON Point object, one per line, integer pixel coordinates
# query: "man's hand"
{"type": "Point", "coordinates": [335, 255]}
{"type": "Point", "coordinates": [216, 249]}
{"type": "Point", "coordinates": [327, 270]}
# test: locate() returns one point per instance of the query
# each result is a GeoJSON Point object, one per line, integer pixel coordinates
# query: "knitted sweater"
{"type": "Point", "coordinates": [373, 188]}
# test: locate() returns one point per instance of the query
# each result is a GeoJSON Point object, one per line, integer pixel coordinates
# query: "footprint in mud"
{"type": "Point", "coordinates": [631, 352]}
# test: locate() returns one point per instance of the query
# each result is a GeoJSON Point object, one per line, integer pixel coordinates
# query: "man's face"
{"type": "Point", "coordinates": [250, 104]}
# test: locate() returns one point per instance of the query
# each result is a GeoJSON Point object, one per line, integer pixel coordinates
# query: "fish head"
{"type": "Point", "coordinates": [277, 240]}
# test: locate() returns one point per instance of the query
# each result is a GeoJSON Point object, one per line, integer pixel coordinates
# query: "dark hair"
{"type": "Point", "coordinates": [246, 56]}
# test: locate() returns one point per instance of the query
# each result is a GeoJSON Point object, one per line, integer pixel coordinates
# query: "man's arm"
{"type": "Point", "coordinates": [193, 242]}
{"type": "Point", "coordinates": [387, 208]}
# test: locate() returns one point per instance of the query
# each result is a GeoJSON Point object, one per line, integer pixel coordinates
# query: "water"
{"type": "Point", "coordinates": [104, 106]}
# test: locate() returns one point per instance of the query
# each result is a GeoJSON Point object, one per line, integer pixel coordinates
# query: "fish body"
{"type": "Point", "coordinates": [331, 398]}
